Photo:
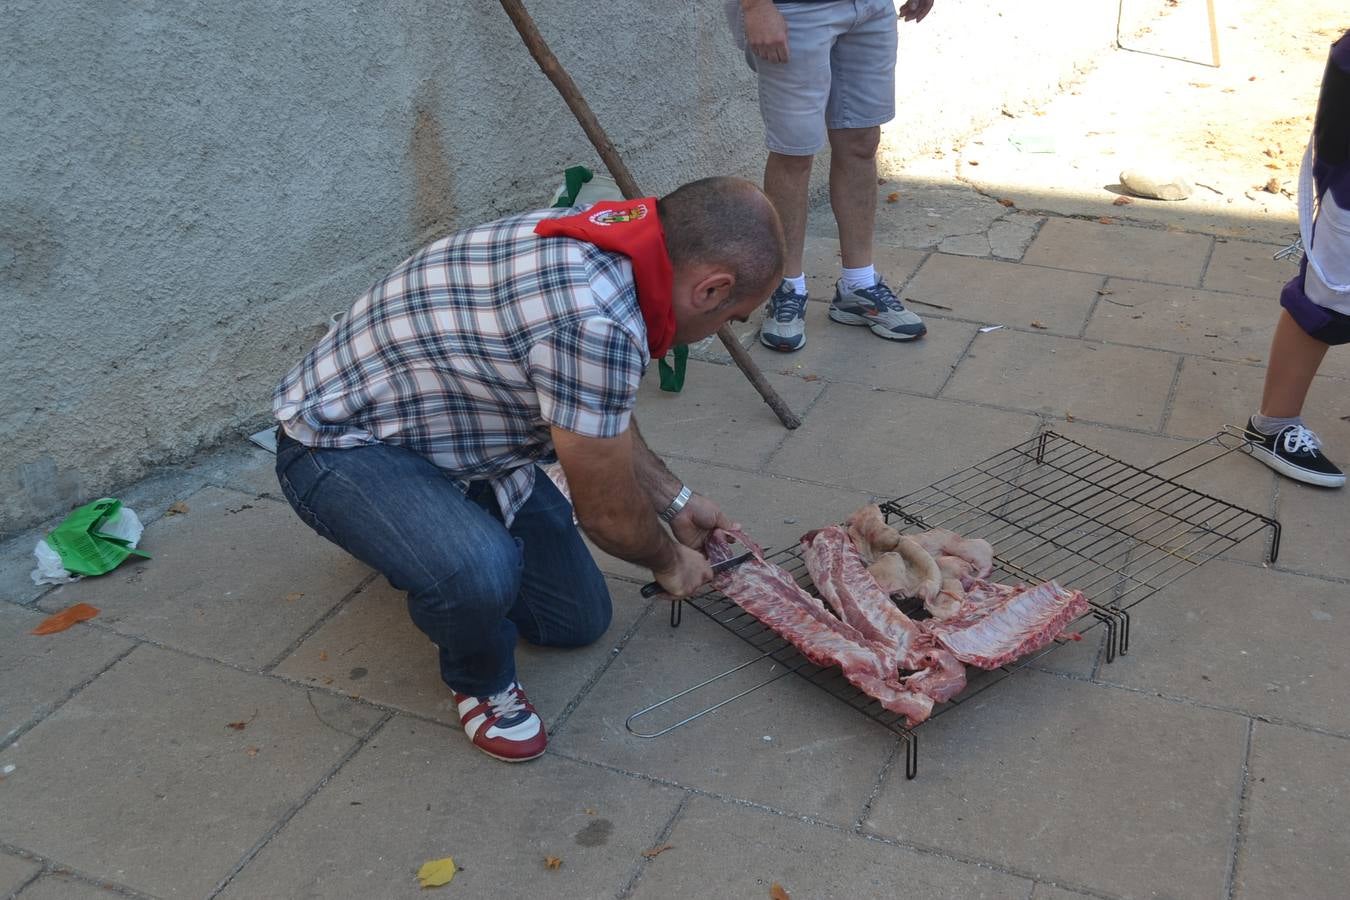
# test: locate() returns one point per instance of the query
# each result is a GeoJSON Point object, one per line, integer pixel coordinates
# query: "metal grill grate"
{"type": "Point", "coordinates": [1054, 509]}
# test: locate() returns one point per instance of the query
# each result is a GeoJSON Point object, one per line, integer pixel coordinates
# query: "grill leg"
{"type": "Point", "coordinates": [911, 756]}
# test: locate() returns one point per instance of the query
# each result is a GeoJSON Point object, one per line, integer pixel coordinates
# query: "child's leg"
{"type": "Point", "coordinates": [1294, 359]}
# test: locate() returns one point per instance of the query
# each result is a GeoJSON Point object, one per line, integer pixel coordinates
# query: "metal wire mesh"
{"type": "Point", "coordinates": [1054, 509]}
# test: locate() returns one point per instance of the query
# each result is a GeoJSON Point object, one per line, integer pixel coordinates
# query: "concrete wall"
{"type": "Point", "coordinates": [188, 190]}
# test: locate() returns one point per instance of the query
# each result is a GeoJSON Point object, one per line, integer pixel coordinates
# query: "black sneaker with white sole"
{"type": "Point", "coordinates": [1296, 452]}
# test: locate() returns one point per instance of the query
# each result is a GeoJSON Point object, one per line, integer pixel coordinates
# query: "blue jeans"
{"type": "Point", "coordinates": [473, 585]}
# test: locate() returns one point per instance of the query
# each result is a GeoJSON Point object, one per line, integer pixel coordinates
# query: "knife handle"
{"type": "Point", "coordinates": [651, 589]}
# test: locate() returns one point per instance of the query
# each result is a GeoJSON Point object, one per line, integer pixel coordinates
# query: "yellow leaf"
{"type": "Point", "coordinates": [293, 596]}
{"type": "Point", "coordinates": [778, 893]}
{"type": "Point", "coordinates": [552, 862]}
{"type": "Point", "coordinates": [436, 872]}
{"type": "Point", "coordinates": [177, 509]}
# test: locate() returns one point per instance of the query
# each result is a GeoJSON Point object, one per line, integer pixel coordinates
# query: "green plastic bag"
{"type": "Point", "coordinates": [83, 546]}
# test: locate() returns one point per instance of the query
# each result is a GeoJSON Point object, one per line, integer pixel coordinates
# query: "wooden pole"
{"type": "Point", "coordinates": [571, 94]}
{"type": "Point", "coordinates": [1213, 33]}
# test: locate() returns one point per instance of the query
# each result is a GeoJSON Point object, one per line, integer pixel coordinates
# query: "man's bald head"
{"type": "Point", "coordinates": [729, 223]}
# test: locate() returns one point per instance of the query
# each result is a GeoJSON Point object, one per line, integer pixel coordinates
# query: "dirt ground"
{"type": "Point", "coordinates": [1238, 131]}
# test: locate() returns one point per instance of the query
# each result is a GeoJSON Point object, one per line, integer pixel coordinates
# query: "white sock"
{"type": "Point", "coordinates": [1272, 424]}
{"type": "Point", "coordinates": [797, 283]}
{"type": "Point", "coordinates": [861, 277]}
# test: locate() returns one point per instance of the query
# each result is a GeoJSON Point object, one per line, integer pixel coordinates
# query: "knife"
{"type": "Point", "coordinates": [652, 589]}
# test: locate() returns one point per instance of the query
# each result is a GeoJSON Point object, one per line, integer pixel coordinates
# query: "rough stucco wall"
{"type": "Point", "coordinates": [188, 190]}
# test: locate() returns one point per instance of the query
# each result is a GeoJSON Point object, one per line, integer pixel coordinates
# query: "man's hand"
{"type": "Point", "coordinates": [915, 10]}
{"type": "Point", "coordinates": [697, 520]}
{"type": "Point", "coordinates": [766, 30]}
{"type": "Point", "coordinates": [689, 572]}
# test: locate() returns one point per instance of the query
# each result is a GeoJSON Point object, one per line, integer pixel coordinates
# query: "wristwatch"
{"type": "Point", "coordinates": [670, 512]}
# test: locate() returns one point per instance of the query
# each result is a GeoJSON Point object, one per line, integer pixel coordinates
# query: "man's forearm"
{"type": "Point", "coordinates": [657, 482]}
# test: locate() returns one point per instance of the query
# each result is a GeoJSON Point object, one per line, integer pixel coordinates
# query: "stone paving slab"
{"type": "Point", "coordinates": [1315, 524]}
{"type": "Point", "coordinates": [1201, 323]}
{"type": "Point", "coordinates": [994, 292]}
{"type": "Point", "coordinates": [39, 671]}
{"type": "Point", "coordinates": [235, 578]}
{"type": "Point", "coordinates": [139, 779]}
{"type": "Point", "coordinates": [1202, 639]}
{"type": "Point", "coordinates": [1058, 376]}
{"type": "Point", "coordinates": [897, 443]}
{"type": "Point", "coordinates": [1146, 254]}
{"type": "Point", "coordinates": [15, 872]}
{"type": "Point", "coordinates": [842, 353]}
{"type": "Point", "coordinates": [721, 850]}
{"type": "Point", "coordinates": [404, 800]}
{"type": "Point", "coordinates": [1294, 837]}
{"type": "Point", "coordinates": [1051, 892]}
{"type": "Point", "coordinates": [1210, 394]}
{"type": "Point", "coordinates": [718, 416]}
{"type": "Point", "coordinates": [1040, 773]}
{"type": "Point", "coordinates": [820, 758]}
{"type": "Point", "coordinates": [370, 649]}
{"type": "Point", "coordinates": [1248, 268]}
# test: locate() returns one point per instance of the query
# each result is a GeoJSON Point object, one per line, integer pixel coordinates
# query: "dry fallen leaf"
{"type": "Point", "coordinates": [241, 725]}
{"type": "Point", "coordinates": [588, 811]}
{"type": "Point", "coordinates": [892, 196]}
{"type": "Point", "coordinates": [810, 378]}
{"type": "Point", "coordinates": [778, 892]}
{"type": "Point", "coordinates": [293, 596]}
{"type": "Point", "coordinates": [251, 751]}
{"type": "Point", "coordinates": [323, 656]}
{"type": "Point", "coordinates": [67, 617]}
{"type": "Point", "coordinates": [1004, 201]}
{"type": "Point", "coordinates": [1105, 221]}
{"type": "Point", "coordinates": [552, 862]}
{"type": "Point", "coordinates": [1040, 325]}
{"type": "Point", "coordinates": [1121, 201]}
{"type": "Point", "coordinates": [1104, 291]}
{"type": "Point", "coordinates": [1068, 417]}
{"type": "Point", "coordinates": [436, 872]}
{"type": "Point", "coordinates": [328, 679]}
{"type": "Point", "coordinates": [176, 509]}
{"type": "Point", "coordinates": [1272, 186]}
{"type": "Point", "coordinates": [657, 851]}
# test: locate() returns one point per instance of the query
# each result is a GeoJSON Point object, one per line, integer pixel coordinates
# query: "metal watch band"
{"type": "Point", "coordinates": [670, 512]}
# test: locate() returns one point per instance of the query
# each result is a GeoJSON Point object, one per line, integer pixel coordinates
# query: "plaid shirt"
{"type": "Point", "coordinates": [470, 350]}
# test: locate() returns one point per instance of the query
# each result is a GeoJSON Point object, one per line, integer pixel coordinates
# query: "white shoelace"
{"type": "Point", "coordinates": [1300, 440]}
{"type": "Point", "coordinates": [507, 703]}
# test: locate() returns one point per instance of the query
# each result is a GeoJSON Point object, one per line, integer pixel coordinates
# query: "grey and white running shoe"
{"type": "Point", "coordinates": [784, 326]}
{"type": "Point", "coordinates": [878, 308]}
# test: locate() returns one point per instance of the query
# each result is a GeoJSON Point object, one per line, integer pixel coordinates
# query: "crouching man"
{"type": "Point", "coordinates": [411, 434]}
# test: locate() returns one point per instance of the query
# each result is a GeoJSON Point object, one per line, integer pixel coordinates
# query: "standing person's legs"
{"type": "Point", "coordinates": [1294, 359]}
{"type": "Point", "coordinates": [853, 191]}
{"type": "Point", "coordinates": [862, 98]}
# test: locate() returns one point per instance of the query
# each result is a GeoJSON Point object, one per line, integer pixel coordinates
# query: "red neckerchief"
{"type": "Point", "coordinates": [630, 227]}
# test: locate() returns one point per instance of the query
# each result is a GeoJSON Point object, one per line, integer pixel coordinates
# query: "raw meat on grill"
{"type": "Point", "coordinates": [870, 533]}
{"type": "Point", "coordinates": [998, 623]}
{"type": "Point", "coordinates": [840, 575]}
{"type": "Point", "coordinates": [773, 597]}
{"type": "Point", "coordinates": [939, 541]}
{"type": "Point", "coordinates": [908, 571]}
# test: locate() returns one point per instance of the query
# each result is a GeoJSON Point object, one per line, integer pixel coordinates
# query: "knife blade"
{"type": "Point", "coordinates": [651, 589]}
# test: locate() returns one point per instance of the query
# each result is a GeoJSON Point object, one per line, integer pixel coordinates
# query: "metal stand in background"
{"type": "Point", "coordinates": [1213, 36]}
{"type": "Point", "coordinates": [1054, 509]}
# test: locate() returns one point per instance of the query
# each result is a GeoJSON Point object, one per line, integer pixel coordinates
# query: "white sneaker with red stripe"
{"type": "Point", "coordinates": [503, 725]}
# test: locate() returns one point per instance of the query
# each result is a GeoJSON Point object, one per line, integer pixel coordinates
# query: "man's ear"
{"type": "Point", "coordinates": [714, 290]}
